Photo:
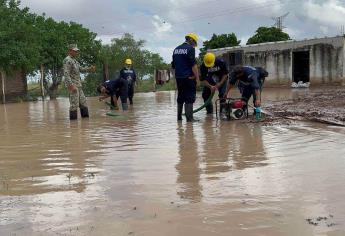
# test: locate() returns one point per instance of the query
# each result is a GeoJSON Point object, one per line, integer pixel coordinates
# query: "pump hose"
{"type": "Point", "coordinates": [112, 114]}
{"type": "Point", "coordinates": [110, 105]}
{"type": "Point", "coordinates": [113, 108]}
{"type": "Point", "coordinates": [208, 101]}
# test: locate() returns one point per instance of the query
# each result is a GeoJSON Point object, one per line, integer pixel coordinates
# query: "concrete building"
{"type": "Point", "coordinates": [318, 61]}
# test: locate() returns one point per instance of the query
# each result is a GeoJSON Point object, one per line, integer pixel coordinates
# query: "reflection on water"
{"type": "Point", "coordinates": [188, 166]}
{"type": "Point", "coordinates": [153, 175]}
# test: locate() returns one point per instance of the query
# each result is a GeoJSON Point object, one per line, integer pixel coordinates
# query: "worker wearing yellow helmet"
{"type": "Point", "coordinates": [214, 75]}
{"type": "Point", "coordinates": [129, 74]}
{"type": "Point", "coordinates": [187, 75]}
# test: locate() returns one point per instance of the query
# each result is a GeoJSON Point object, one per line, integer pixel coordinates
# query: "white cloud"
{"type": "Point", "coordinates": [163, 24]}
{"type": "Point", "coordinates": [324, 29]}
{"type": "Point", "coordinates": [293, 32]}
{"type": "Point", "coordinates": [330, 12]}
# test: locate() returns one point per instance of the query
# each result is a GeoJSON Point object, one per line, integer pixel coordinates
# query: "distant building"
{"type": "Point", "coordinates": [318, 61]}
{"type": "Point", "coordinates": [15, 85]}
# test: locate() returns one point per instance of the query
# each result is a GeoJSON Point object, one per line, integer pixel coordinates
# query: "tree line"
{"type": "Point", "coordinates": [31, 43]}
{"type": "Point", "coordinates": [262, 35]}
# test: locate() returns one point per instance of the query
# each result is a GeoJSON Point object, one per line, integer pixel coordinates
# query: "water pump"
{"type": "Point", "coordinates": [234, 108]}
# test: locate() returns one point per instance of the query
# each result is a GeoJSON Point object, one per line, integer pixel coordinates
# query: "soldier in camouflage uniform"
{"type": "Point", "coordinates": [72, 71]}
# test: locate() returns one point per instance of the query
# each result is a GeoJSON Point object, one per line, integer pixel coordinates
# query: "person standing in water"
{"type": "Point", "coordinates": [129, 74]}
{"type": "Point", "coordinates": [72, 70]}
{"type": "Point", "coordinates": [187, 75]}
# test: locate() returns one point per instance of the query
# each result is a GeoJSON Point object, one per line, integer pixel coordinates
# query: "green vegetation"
{"type": "Point", "coordinates": [31, 43]}
{"type": "Point", "coordinates": [219, 41]}
{"type": "Point", "coordinates": [268, 34]}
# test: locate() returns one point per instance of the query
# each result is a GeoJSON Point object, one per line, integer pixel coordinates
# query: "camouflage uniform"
{"type": "Point", "coordinates": [72, 71]}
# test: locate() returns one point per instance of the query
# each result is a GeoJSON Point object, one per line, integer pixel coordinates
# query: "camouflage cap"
{"type": "Point", "coordinates": [73, 47]}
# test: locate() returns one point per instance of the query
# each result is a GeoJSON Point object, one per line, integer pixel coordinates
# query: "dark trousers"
{"type": "Point", "coordinates": [122, 92]}
{"type": "Point", "coordinates": [247, 92]}
{"type": "Point", "coordinates": [186, 89]}
{"type": "Point", "coordinates": [131, 92]}
{"type": "Point", "coordinates": [206, 93]}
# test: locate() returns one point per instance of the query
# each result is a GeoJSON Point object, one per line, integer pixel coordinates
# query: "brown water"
{"type": "Point", "coordinates": [144, 174]}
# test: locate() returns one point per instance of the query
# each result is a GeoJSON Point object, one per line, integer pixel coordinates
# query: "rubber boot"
{"type": "Point", "coordinates": [189, 112]}
{"type": "Point", "coordinates": [84, 112]}
{"type": "Point", "coordinates": [209, 109]}
{"type": "Point", "coordinates": [179, 111]}
{"type": "Point", "coordinates": [73, 115]}
{"type": "Point", "coordinates": [125, 106]}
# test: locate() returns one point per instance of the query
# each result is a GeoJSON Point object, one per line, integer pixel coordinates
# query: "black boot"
{"type": "Point", "coordinates": [73, 115]}
{"type": "Point", "coordinates": [179, 111]}
{"type": "Point", "coordinates": [131, 101]}
{"type": "Point", "coordinates": [124, 106]}
{"type": "Point", "coordinates": [209, 109]}
{"type": "Point", "coordinates": [84, 112]}
{"type": "Point", "coordinates": [189, 112]}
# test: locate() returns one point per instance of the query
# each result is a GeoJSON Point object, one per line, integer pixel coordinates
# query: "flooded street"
{"type": "Point", "coordinates": [142, 173]}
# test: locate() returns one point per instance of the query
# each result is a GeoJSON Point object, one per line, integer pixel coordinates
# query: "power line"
{"type": "Point", "coordinates": [160, 12]}
{"type": "Point", "coordinates": [210, 16]}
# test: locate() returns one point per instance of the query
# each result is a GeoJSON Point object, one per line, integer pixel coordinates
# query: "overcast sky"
{"type": "Point", "coordinates": [163, 23]}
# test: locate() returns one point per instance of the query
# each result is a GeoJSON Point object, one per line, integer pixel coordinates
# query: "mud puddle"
{"type": "Point", "coordinates": [324, 105]}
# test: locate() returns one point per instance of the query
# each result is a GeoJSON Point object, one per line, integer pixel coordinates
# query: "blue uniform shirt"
{"type": "Point", "coordinates": [214, 74]}
{"type": "Point", "coordinates": [113, 86]}
{"type": "Point", "coordinates": [183, 60]}
{"type": "Point", "coordinates": [128, 74]}
{"type": "Point", "coordinates": [250, 78]}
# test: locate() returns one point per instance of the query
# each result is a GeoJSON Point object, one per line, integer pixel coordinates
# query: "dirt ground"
{"type": "Point", "coordinates": [325, 105]}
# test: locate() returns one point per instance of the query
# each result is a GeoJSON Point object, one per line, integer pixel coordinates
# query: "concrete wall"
{"type": "Point", "coordinates": [15, 85]}
{"type": "Point", "coordinates": [326, 59]}
{"type": "Point", "coordinates": [277, 63]}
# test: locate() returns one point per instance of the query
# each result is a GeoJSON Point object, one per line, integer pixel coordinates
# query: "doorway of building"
{"type": "Point", "coordinates": [301, 66]}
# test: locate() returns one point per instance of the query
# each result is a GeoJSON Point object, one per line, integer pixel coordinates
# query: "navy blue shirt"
{"type": "Point", "coordinates": [250, 78]}
{"type": "Point", "coordinates": [214, 74]}
{"type": "Point", "coordinates": [183, 60]}
{"type": "Point", "coordinates": [128, 73]}
{"type": "Point", "coordinates": [113, 86]}
{"type": "Point", "coordinates": [262, 74]}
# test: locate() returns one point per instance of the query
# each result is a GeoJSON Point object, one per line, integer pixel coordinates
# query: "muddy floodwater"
{"type": "Point", "coordinates": [142, 173]}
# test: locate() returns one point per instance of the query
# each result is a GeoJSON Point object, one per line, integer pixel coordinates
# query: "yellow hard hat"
{"type": "Point", "coordinates": [128, 62]}
{"type": "Point", "coordinates": [209, 59]}
{"type": "Point", "coordinates": [194, 37]}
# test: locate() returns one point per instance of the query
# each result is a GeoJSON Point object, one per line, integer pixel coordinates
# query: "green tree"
{"type": "Point", "coordinates": [114, 55]}
{"type": "Point", "coordinates": [54, 40]}
{"type": "Point", "coordinates": [125, 47]}
{"type": "Point", "coordinates": [268, 34]}
{"type": "Point", "coordinates": [219, 41]}
{"type": "Point", "coordinates": [18, 47]}
{"type": "Point", "coordinates": [29, 42]}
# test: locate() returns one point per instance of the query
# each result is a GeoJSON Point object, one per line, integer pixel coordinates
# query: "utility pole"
{"type": "Point", "coordinates": [279, 21]}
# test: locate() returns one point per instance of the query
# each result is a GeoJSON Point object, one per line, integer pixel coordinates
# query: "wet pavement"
{"type": "Point", "coordinates": [142, 173]}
